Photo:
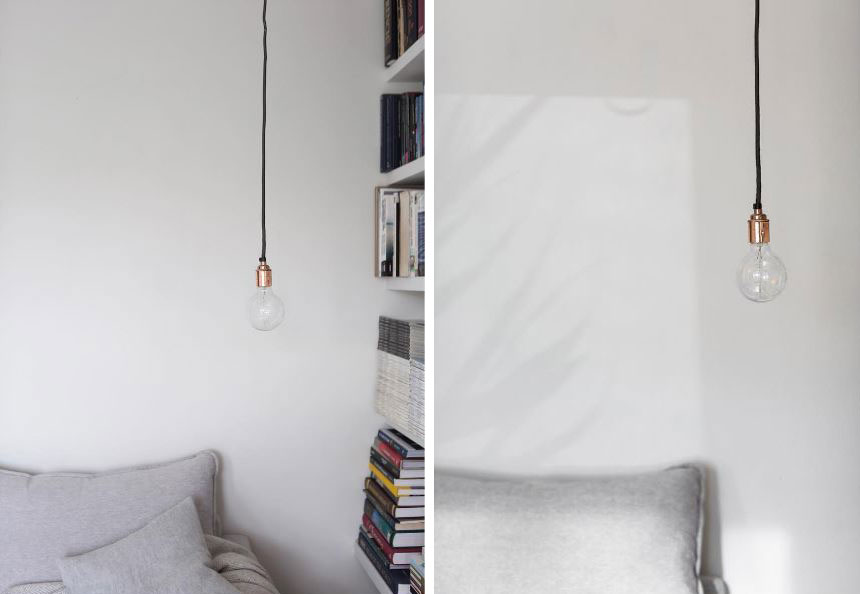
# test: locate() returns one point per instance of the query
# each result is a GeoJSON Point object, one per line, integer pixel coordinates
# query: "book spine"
{"type": "Point", "coordinates": [389, 441]}
{"type": "Point", "coordinates": [387, 501]}
{"type": "Point", "coordinates": [420, 18]}
{"type": "Point", "coordinates": [390, 48]}
{"type": "Point", "coordinates": [382, 568]}
{"type": "Point", "coordinates": [382, 119]}
{"type": "Point", "coordinates": [377, 507]}
{"type": "Point", "coordinates": [385, 482]}
{"type": "Point", "coordinates": [384, 527]}
{"type": "Point", "coordinates": [403, 233]}
{"type": "Point", "coordinates": [384, 464]}
{"type": "Point", "coordinates": [373, 546]}
{"type": "Point", "coordinates": [411, 23]}
{"type": "Point", "coordinates": [384, 541]}
{"type": "Point", "coordinates": [384, 546]}
{"type": "Point", "coordinates": [401, 27]}
{"type": "Point", "coordinates": [386, 450]}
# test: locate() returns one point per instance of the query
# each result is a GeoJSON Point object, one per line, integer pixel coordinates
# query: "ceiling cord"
{"type": "Point", "coordinates": [263, 148]}
{"type": "Point", "coordinates": [757, 204]}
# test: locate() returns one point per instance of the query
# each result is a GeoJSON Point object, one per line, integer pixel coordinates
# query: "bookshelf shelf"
{"type": "Point", "coordinates": [409, 67]}
{"type": "Point", "coordinates": [371, 572]}
{"type": "Point", "coordinates": [410, 174]}
{"type": "Point", "coordinates": [414, 284]}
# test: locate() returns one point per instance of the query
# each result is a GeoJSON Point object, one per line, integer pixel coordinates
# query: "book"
{"type": "Point", "coordinates": [400, 501]}
{"type": "Point", "coordinates": [420, 18]}
{"type": "Point", "coordinates": [396, 580]}
{"type": "Point", "coordinates": [399, 524]}
{"type": "Point", "coordinates": [416, 200]}
{"type": "Point", "coordinates": [394, 471]}
{"type": "Point", "coordinates": [395, 539]}
{"type": "Point", "coordinates": [397, 556]}
{"type": "Point", "coordinates": [405, 261]}
{"type": "Point", "coordinates": [390, 25]}
{"type": "Point", "coordinates": [389, 503]}
{"type": "Point", "coordinates": [401, 27]}
{"type": "Point", "coordinates": [395, 458]}
{"type": "Point", "coordinates": [377, 550]}
{"type": "Point", "coordinates": [421, 233]}
{"type": "Point", "coordinates": [386, 232]}
{"type": "Point", "coordinates": [395, 490]}
{"type": "Point", "coordinates": [401, 444]}
{"type": "Point", "coordinates": [411, 22]}
{"type": "Point", "coordinates": [385, 548]}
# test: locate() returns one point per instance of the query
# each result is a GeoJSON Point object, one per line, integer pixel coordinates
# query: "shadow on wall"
{"type": "Point", "coordinates": [540, 246]}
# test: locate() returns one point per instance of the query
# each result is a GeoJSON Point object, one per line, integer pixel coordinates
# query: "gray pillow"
{"type": "Point", "coordinates": [167, 556]}
{"type": "Point", "coordinates": [637, 534]}
{"type": "Point", "coordinates": [47, 516]}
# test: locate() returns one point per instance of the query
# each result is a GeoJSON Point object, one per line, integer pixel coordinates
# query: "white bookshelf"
{"type": "Point", "coordinates": [409, 67]}
{"type": "Point", "coordinates": [404, 75]}
{"type": "Point", "coordinates": [413, 284]}
{"type": "Point", "coordinates": [410, 174]}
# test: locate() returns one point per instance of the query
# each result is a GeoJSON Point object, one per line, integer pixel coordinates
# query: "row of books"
{"type": "Point", "coordinates": [401, 129]}
{"type": "Point", "coordinates": [400, 216]}
{"type": "Point", "coordinates": [391, 535]}
{"type": "Point", "coordinates": [404, 25]}
{"type": "Point", "coordinates": [400, 375]}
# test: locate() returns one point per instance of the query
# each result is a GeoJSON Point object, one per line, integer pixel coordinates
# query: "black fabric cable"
{"type": "Point", "coordinates": [263, 148]}
{"type": "Point", "coordinates": [757, 204]}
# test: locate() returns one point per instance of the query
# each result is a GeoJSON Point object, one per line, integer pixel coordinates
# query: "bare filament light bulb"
{"type": "Point", "coordinates": [761, 275]}
{"type": "Point", "coordinates": [265, 309]}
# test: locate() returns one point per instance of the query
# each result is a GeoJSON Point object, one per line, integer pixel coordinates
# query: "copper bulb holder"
{"type": "Point", "coordinates": [264, 275]}
{"type": "Point", "coordinates": [758, 227]}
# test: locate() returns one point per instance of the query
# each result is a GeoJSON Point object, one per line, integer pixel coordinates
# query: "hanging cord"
{"type": "Point", "coordinates": [263, 151]}
{"type": "Point", "coordinates": [757, 115]}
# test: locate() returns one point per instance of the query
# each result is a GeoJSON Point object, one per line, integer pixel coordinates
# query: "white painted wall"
{"type": "Point", "coordinates": [595, 172]}
{"type": "Point", "coordinates": [129, 189]}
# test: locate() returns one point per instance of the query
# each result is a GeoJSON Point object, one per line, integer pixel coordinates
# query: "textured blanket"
{"type": "Point", "coordinates": [236, 564]}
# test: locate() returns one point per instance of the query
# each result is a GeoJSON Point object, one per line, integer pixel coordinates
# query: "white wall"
{"type": "Point", "coordinates": [129, 197]}
{"type": "Point", "coordinates": [595, 172]}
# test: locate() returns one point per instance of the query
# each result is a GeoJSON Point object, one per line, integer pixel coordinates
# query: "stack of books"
{"type": "Point", "coordinates": [402, 141]}
{"type": "Point", "coordinates": [404, 25]}
{"type": "Point", "coordinates": [399, 232]}
{"type": "Point", "coordinates": [416, 576]}
{"type": "Point", "coordinates": [400, 375]}
{"type": "Point", "coordinates": [391, 536]}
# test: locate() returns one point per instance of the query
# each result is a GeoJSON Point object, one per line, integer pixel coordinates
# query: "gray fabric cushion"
{"type": "Point", "coordinates": [48, 516]}
{"type": "Point", "coordinates": [636, 534]}
{"type": "Point", "coordinates": [167, 556]}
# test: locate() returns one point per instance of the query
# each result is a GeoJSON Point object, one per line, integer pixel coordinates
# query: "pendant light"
{"type": "Point", "coordinates": [265, 309]}
{"type": "Point", "coordinates": [762, 275]}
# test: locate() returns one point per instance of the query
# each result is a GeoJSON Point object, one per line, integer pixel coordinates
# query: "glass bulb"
{"type": "Point", "coordinates": [762, 275]}
{"type": "Point", "coordinates": [265, 309]}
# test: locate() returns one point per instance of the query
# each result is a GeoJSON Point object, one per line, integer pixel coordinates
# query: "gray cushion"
{"type": "Point", "coordinates": [637, 534]}
{"type": "Point", "coordinates": [47, 516]}
{"type": "Point", "coordinates": [167, 556]}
